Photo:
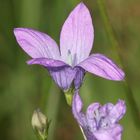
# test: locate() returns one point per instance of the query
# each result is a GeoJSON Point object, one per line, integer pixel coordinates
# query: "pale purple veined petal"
{"type": "Point", "coordinates": [103, 135]}
{"type": "Point", "coordinates": [63, 76]}
{"type": "Point", "coordinates": [117, 111]}
{"type": "Point", "coordinates": [112, 133]}
{"type": "Point", "coordinates": [102, 66]}
{"type": "Point", "coordinates": [105, 109]}
{"type": "Point", "coordinates": [91, 110]}
{"type": "Point", "coordinates": [78, 80]}
{"type": "Point", "coordinates": [47, 62]}
{"type": "Point", "coordinates": [76, 37]}
{"type": "Point", "coordinates": [61, 73]}
{"type": "Point", "coordinates": [77, 102]}
{"type": "Point", "coordinates": [36, 44]}
{"type": "Point", "coordinates": [91, 113]}
{"type": "Point", "coordinates": [116, 131]}
{"type": "Point", "coordinates": [77, 109]}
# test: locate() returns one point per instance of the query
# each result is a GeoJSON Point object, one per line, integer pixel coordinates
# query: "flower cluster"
{"type": "Point", "coordinates": [99, 122]}
{"type": "Point", "coordinates": [69, 64]}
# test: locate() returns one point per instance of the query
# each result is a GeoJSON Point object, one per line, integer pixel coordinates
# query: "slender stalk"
{"type": "Point", "coordinates": [115, 45]}
{"type": "Point", "coordinates": [83, 132]}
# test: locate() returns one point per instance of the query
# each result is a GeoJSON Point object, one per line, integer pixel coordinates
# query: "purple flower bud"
{"type": "Point", "coordinates": [99, 122]}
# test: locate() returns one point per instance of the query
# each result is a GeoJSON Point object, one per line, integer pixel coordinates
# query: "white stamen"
{"type": "Point", "coordinates": [69, 58]}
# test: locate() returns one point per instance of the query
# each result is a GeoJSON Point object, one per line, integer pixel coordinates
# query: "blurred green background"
{"type": "Point", "coordinates": [24, 88]}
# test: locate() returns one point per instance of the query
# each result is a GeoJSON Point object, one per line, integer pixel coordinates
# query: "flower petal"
{"type": "Point", "coordinates": [76, 37]}
{"type": "Point", "coordinates": [117, 111]}
{"type": "Point", "coordinates": [116, 131]}
{"type": "Point", "coordinates": [61, 73]}
{"type": "Point", "coordinates": [88, 135]}
{"type": "Point", "coordinates": [103, 135]}
{"type": "Point", "coordinates": [102, 66]}
{"type": "Point", "coordinates": [63, 76]}
{"type": "Point", "coordinates": [77, 102]}
{"type": "Point", "coordinates": [78, 80]}
{"type": "Point", "coordinates": [113, 133]}
{"type": "Point", "coordinates": [36, 44]}
{"type": "Point", "coordinates": [77, 109]}
{"type": "Point", "coordinates": [91, 110]}
{"type": "Point", "coordinates": [105, 109]}
{"type": "Point", "coordinates": [48, 63]}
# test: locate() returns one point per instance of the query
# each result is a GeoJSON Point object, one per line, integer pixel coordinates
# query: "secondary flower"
{"type": "Point", "coordinates": [99, 122]}
{"type": "Point", "coordinates": [68, 64]}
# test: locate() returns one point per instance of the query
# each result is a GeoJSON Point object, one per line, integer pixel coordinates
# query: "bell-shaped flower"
{"type": "Point", "coordinates": [99, 122]}
{"type": "Point", "coordinates": [69, 63]}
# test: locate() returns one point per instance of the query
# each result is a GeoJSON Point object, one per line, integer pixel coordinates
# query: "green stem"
{"type": "Point", "coordinates": [115, 45]}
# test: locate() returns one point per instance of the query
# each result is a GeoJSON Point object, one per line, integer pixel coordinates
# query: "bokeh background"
{"type": "Point", "coordinates": [24, 88]}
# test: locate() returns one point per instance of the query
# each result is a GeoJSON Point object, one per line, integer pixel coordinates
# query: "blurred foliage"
{"type": "Point", "coordinates": [24, 88]}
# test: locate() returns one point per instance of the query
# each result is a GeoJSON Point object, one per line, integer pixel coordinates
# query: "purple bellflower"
{"type": "Point", "coordinates": [99, 122]}
{"type": "Point", "coordinates": [70, 63]}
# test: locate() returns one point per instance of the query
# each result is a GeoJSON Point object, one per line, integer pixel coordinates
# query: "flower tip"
{"type": "Point", "coordinates": [121, 106]}
{"type": "Point", "coordinates": [31, 62]}
{"type": "Point", "coordinates": [20, 30]}
{"type": "Point", "coordinates": [81, 5]}
{"type": "Point", "coordinates": [121, 101]}
{"type": "Point", "coordinates": [123, 75]}
{"type": "Point", "coordinates": [120, 76]}
{"type": "Point", "coordinates": [15, 30]}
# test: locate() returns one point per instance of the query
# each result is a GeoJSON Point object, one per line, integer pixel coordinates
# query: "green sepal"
{"type": "Point", "coordinates": [69, 95]}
